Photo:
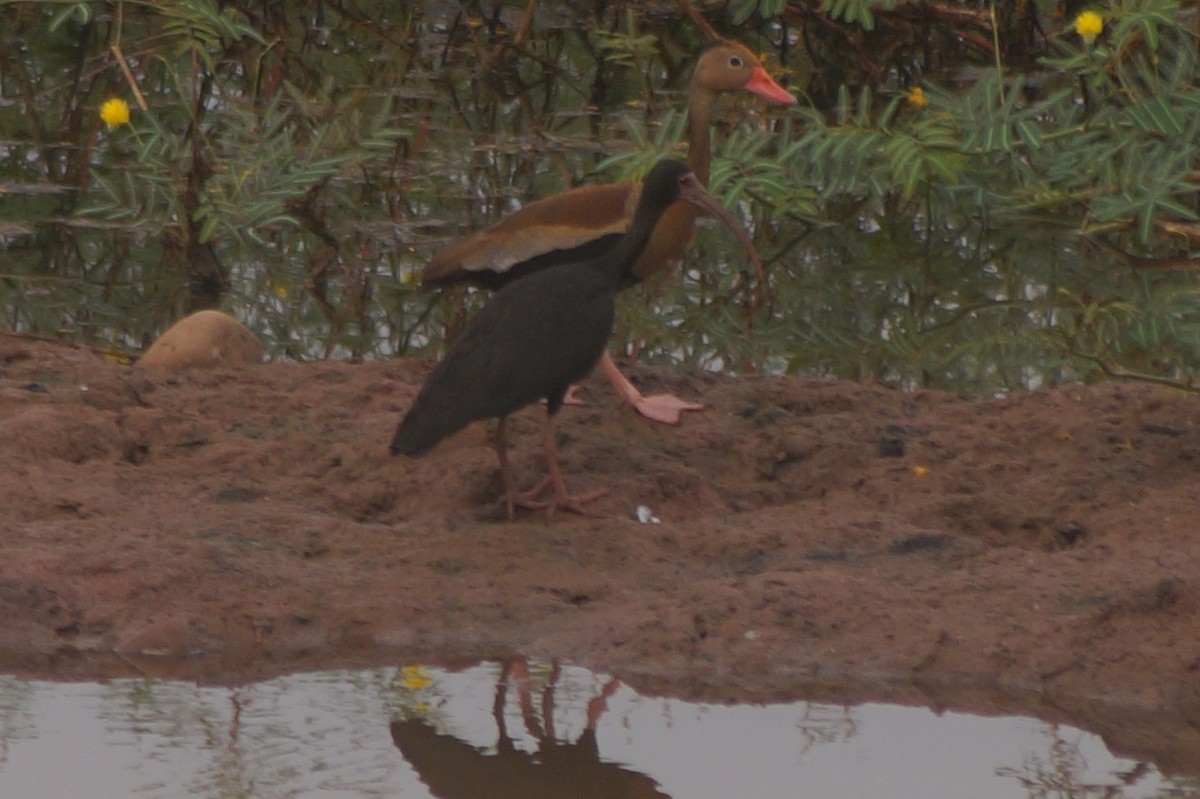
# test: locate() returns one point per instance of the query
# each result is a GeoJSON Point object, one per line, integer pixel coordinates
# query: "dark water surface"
{"type": "Point", "coordinates": [498, 731]}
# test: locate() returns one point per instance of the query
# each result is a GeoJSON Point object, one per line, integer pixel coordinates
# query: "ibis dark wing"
{"type": "Point", "coordinates": [531, 341]}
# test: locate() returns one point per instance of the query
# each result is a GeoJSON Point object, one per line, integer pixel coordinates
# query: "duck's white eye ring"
{"type": "Point", "coordinates": [735, 61]}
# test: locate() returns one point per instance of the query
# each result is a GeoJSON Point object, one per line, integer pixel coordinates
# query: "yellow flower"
{"type": "Point", "coordinates": [921, 471]}
{"type": "Point", "coordinates": [1089, 25]}
{"type": "Point", "coordinates": [916, 97]}
{"type": "Point", "coordinates": [115, 111]}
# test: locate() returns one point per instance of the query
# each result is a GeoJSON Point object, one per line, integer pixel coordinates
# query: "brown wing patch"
{"type": "Point", "coordinates": [561, 221]}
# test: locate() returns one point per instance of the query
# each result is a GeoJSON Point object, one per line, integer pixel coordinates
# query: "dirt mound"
{"type": "Point", "coordinates": [1037, 552]}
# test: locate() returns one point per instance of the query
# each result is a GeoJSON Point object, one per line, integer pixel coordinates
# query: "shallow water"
{"type": "Point", "coordinates": [493, 731]}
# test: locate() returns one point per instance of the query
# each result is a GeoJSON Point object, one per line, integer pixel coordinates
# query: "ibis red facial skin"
{"type": "Point", "coordinates": [536, 337]}
{"type": "Point", "coordinates": [582, 223]}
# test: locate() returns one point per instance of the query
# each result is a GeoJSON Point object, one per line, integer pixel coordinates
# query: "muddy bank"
{"type": "Point", "coordinates": [1030, 554]}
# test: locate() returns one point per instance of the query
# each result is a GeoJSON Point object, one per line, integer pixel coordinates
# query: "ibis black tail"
{"type": "Point", "coordinates": [427, 423]}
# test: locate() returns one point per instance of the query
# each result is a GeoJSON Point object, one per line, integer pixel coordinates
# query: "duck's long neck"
{"type": "Point", "coordinates": [629, 248]}
{"type": "Point", "coordinates": [700, 105]}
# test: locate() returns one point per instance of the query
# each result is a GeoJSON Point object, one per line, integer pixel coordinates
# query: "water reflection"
{"type": "Point", "coordinates": [454, 769]}
{"type": "Point", "coordinates": [524, 729]}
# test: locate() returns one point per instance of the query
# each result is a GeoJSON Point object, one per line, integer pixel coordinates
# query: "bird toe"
{"type": "Point", "coordinates": [665, 408]}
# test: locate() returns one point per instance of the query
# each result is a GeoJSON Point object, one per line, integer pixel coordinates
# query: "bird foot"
{"type": "Point", "coordinates": [529, 499]}
{"type": "Point", "coordinates": [561, 500]}
{"type": "Point", "coordinates": [575, 504]}
{"type": "Point", "coordinates": [664, 408]}
{"type": "Point", "coordinates": [573, 398]}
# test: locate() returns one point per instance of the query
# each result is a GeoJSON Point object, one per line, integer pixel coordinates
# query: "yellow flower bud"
{"type": "Point", "coordinates": [916, 97]}
{"type": "Point", "coordinates": [115, 111]}
{"type": "Point", "coordinates": [1089, 25]}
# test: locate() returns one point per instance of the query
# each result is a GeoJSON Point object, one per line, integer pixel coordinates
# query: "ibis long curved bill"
{"type": "Point", "coordinates": [691, 191]}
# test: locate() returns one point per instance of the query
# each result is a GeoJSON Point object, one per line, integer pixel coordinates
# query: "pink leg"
{"type": "Point", "coordinates": [554, 478]}
{"type": "Point", "coordinates": [562, 499]}
{"type": "Point", "coordinates": [664, 408]}
{"type": "Point", "coordinates": [598, 704]}
{"type": "Point", "coordinates": [511, 498]}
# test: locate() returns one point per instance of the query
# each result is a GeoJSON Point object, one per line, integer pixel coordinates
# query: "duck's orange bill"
{"type": "Point", "coordinates": [765, 86]}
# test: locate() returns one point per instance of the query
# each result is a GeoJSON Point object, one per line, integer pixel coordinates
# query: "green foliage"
{"type": "Point", "coordinates": [1005, 235]}
{"type": "Point", "coordinates": [197, 28]}
{"type": "Point", "coordinates": [768, 9]}
{"type": "Point", "coordinates": [1025, 225]}
{"type": "Point", "coordinates": [854, 12]}
{"type": "Point", "coordinates": [858, 12]}
{"type": "Point", "coordinates": [1027, 209]}
{"type": "Point", "coordinates": [626, 49]}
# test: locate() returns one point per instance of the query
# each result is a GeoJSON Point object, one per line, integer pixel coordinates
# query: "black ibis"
{"type": "Point", "coordinates": [537, 336]}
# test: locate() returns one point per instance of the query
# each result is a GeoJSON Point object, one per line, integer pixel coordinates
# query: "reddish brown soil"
{"type": "Point", "coordinates": [1035, 554]}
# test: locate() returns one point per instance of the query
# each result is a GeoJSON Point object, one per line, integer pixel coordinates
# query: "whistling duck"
{"type": "Point", "coordinates": [575, 225]}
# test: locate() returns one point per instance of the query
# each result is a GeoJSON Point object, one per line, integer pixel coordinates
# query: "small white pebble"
{"type": "Point", "coordinates": [750, 635]}
{"type": "Point", "coordinates": [644, 515]}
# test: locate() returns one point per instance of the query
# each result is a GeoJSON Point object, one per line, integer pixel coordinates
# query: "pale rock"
{"type": "Point", "coordinates": [206, 338]}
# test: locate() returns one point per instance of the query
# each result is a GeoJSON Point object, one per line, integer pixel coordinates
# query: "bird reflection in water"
{"type": "Point", "coordinates": [454, 769]}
